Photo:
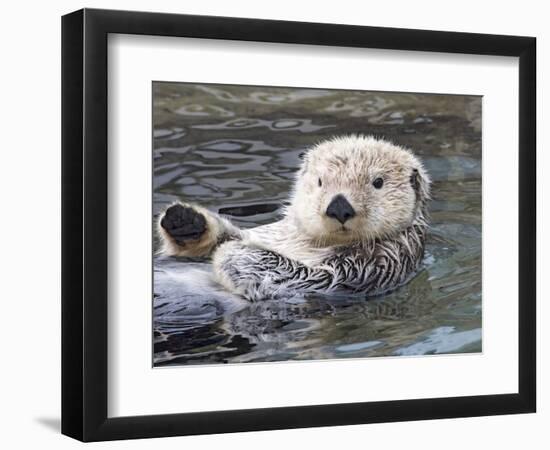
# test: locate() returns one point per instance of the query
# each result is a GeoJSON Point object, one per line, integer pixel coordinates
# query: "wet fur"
{"type": "Point", "coordinates": [308, 252]}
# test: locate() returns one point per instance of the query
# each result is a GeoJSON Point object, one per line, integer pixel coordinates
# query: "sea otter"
{"type": "Point", "coordinates": [357, 222]}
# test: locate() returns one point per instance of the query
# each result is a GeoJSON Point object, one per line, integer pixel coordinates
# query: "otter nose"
{"type": "Point", "coordinates": [340, 209]}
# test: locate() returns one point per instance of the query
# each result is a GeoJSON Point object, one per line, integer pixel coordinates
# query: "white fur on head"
{"type": "Point", "coordinates": [348, 166]}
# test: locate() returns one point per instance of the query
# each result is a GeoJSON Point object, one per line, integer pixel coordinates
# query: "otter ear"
{"type": "Point", "coordinates": [415, 180]}
{"type": "Point", "coordinates": [420, 183]}
{"type": "Point", "coordinates": [304, 157]}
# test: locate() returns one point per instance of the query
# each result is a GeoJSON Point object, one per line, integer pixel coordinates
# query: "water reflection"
{"type": "Point", "coordinates": [235, 150]}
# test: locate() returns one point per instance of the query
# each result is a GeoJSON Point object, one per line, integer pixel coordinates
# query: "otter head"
{"type": "Point", "coordinates": [358, 188]}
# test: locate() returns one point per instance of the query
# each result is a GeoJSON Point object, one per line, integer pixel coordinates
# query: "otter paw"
{"type": "Point", "coordinates": [183, 224]}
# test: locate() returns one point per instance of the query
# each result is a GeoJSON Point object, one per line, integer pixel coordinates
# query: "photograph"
{"type": "Point", "coordinates": [267, 225]}
{"type": "Point", "coordinates": [295, 224]}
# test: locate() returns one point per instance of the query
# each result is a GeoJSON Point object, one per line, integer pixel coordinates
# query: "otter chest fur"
{"type": "Point", "coordinates": [357, 222]}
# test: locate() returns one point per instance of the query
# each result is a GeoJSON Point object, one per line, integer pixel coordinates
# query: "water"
{"type": "Point", "coordinates": [235, 149]}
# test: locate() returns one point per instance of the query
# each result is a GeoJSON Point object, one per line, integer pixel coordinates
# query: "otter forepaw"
{"type": "Point", "coordinates": [183, 224]}
{"type": "Point", "coordinates": [251, 272]}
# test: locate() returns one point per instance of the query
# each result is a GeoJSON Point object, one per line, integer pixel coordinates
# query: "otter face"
{"type": "Point", "coordinates": [358, 188]}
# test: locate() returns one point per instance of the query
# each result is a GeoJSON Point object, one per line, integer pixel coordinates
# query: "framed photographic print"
{"type": "Point", "coordinates": [273, 224]}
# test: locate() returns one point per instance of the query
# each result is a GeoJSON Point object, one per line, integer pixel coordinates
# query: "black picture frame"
{"type": "Point", "coordinates": [84, 224]}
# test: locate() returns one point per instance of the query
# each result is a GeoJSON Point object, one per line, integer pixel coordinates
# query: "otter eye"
{"type": "Point", "coordinates": [378, 183]}
{"type": "Point", "coordinates": [319, 182]}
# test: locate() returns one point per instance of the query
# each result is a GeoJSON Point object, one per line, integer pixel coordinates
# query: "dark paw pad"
{"type": "Point", "coordinates": [183, 223]}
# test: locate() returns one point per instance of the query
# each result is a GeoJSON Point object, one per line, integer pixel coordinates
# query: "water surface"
{"type": "Point", "coordinates": [235, 149]}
